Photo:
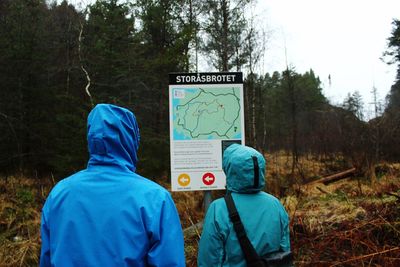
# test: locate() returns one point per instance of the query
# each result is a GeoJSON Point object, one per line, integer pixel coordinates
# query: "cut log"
{"type": "Point", "coordinates": [334, 177]}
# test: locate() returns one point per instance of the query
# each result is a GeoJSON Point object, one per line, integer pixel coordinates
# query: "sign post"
{"type": "Point", "coordinates": [207, 200]}
{"type": "Point", "coordinates": [206, 116]}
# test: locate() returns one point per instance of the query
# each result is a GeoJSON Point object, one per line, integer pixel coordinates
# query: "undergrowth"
{"type": "Point", "coordinates": [346, 223]}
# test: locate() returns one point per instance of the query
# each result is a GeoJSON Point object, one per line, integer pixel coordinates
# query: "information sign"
{"type": "Point", "coordinates": [206, 116]}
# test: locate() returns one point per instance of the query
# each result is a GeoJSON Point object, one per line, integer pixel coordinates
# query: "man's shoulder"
{"type": "Point", "coordinates": [147, 184]}
{"type": "Point", "coordinates": [129, 180]}
{"type": "Point", "coordinates": [65, 182]}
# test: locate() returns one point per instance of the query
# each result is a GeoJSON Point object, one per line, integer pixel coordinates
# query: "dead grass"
{"type": "Point", "coordinates": [346, 223]}
{"type": "Point", "coordinates": [20, 203]}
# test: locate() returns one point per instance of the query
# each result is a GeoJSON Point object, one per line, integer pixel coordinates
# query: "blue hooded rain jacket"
{"type": "Point", "coordinates": [107, 215]}
{"type": "Point", "coordinates": [263, 216]}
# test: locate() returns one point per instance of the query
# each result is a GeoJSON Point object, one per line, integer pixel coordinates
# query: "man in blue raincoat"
{"type": "Point", "coordinates": [263, 216]}
{"type": "Point", "coordinates": [107, 215]}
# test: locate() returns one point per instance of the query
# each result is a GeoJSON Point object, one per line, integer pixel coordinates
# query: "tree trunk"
{"type": "Point", "coordinates": [224, 52]}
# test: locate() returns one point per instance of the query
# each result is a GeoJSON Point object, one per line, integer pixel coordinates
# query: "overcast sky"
{"type": "Point", "coordinates": [341, 38]}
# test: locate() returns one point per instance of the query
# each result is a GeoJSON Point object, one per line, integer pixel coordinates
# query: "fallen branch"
{"type": "Point", "coordinates": [334, 177]}
{"type": "Point", "coordinates": [388, 223]}
{"type": "Point", "coordinates": [194, 229]}
{"type": "Point", "coordinates": [366, 256]}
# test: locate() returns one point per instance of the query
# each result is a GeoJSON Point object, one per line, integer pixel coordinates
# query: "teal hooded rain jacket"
{"type": "Point", "coordinates": [264, 218]}
{"type": "Point", "coordinates": [107, 215]}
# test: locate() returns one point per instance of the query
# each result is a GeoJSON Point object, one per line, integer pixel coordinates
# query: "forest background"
{"type": "Point", "coordinates": [57, 61]}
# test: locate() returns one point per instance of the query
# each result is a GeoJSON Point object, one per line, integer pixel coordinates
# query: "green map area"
{"type": "Point", "coordinates": [212, 113]}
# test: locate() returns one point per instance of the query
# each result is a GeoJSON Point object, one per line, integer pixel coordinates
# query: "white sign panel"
{"type": "Point", "coordinates": [206, 116]}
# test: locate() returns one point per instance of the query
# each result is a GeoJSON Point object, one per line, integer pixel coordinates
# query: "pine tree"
{"type": "Point", "coordinates": [224, 27]}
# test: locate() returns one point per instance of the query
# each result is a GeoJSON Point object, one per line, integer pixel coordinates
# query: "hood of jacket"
{"type": "Point", "coordinates": [244, 168]}
{"type": "Point", "coordinates": [113, 136]}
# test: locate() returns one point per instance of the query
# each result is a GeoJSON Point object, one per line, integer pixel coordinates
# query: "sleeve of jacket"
{"type": "Point", "coordinates": [45, 237]}
{"type": "Point", "coordinates": [167, 245]}
{"type": "Point", "coordinates": [285, 235]}
{"type": "Point", "coordinates": [211, 245]}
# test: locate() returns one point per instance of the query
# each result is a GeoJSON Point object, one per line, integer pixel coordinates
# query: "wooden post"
{"type": "Point", "coordinates": [207, 200]}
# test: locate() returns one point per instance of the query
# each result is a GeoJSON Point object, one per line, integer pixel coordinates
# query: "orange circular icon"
{"type": "Point", "coordinates": [184, 179]}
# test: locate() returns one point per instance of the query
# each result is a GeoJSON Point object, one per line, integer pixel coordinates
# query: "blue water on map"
{"type": "Point", "coordinates": [180, 136]}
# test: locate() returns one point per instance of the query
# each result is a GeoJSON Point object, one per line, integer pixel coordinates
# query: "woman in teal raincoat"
{"type": "Point", "coordinates": [263, 216]}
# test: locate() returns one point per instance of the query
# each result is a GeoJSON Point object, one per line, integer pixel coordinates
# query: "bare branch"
{"type": "Point", "coordinates": [82, 67]}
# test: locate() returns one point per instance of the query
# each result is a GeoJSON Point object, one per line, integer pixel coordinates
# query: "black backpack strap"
{"type": "Point", "coordinates": [248, 250]}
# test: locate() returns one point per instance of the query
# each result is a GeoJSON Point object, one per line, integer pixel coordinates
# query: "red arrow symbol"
{"type": "Point", "coordinates": [208, 178]}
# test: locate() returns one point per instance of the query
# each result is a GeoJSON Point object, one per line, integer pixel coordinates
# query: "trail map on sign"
{"type": "Point", "coordinates": [206, 113]}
